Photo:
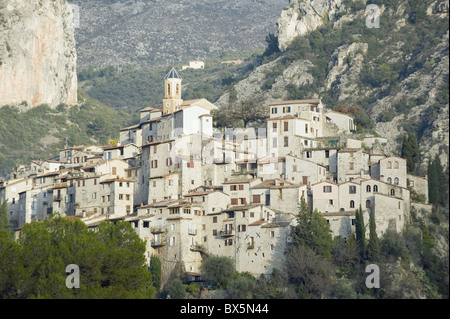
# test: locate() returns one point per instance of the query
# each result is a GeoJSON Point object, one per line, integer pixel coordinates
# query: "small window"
{"type": "Point", "coordinates": [375, 188]}
{"type": "Point", "coordinates": [352, 189]}
{"type": "Point", "coordinates": [396, 181]}
{"type": "Point", "coordinates": [327, 189]}
{"type": "Point", "coordinates": [368, 189]}
{"type": "Point", "coordinates": [352, 204]}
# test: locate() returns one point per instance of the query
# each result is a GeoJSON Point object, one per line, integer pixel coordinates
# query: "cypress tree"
{"type": "Point", "coordinates": [360, 232]}
{"type": "Point", "coordinates": [4, 220]}
{"type": "Point", "coordinates": [373, 248]}
{"type": "Point", "coordinates": [410, 151]}
{"type": "Point", "coordinates": [321, 238]}
{"type": "Point", "coordinates": [302, 233]}
{"type": "Point", "coordinates": [433, 183]}
{"type": "Point", "coordinates": [442, 181]}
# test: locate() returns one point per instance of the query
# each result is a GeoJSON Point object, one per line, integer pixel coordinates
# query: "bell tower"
{"type": "Point", "coordinates": [172, 89]}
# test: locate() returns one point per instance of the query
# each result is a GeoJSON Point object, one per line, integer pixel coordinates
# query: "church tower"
{"type": "Point", "coordinates": [172, 89]}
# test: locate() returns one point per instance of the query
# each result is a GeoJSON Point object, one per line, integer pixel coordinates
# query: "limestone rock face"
{"type": "Point", "coordinates": [303, 16]}
{"type": "Point", "coordinates": [37, 53]}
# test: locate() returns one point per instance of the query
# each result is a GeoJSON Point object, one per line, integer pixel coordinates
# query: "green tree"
{"type": "Point", "coordinates": [111, 261]}
{"type": "Point", "coordinates": [322, 240]}
{"type": "Point", "coordinates": [442, 181]}
{"type": "Point", "coordinates": [410, 150]}
{"type": "Point", "coordinates": [218, 269]}
{"type": "Point", "coordinates": [175, 289]}
{"type": "Point", "coordinates": [272, 45]}
{"type": "Point", "coordinates": [433, 183]}
{"type": "Point", "coordinates": [301, 235]}
{"type": "Point", "coordinates": [155, 270]}
{"type": "Point", "coordinates": [4, 220]}
{"type": "Point", "coordinates": [310, 272]}
{"type": "Point", "coordinates": [312, 230]}
{"type": "Point", "coordinates": [373, 248]}
{"type": "Point", "coordinates": [241, 286]}
{"type": "Point", "coordinates": [360, 232]}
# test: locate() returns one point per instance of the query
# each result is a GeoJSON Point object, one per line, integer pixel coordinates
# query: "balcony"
{"type": "Point", "coordinates": [157, 229]}
{"type": "Point", "coordinates": [250, 245]}
{"type": "Point", "coordinates": [226, 232]}
{"type": "Point", "coordinates": [192, 231]}
{"type": "Point", "coordinates": [158, 243]}
{"type": "Point", "coordinates": [57, 198]}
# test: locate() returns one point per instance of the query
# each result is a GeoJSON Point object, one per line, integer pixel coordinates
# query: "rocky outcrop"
{"type": "Point", "coordinates": [252, 87]}
{"type": "Point", "coordinates": [301, 17]}
{"type": "Point", "coordinates": [37, 53]}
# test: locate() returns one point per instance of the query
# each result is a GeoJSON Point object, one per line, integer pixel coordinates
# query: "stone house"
{"type": "Point", "coordinates": [352, 163]}
{"type": "Point", "coordinates": [391, 170]}
{"type": "Point", "coordinates": [238, 190]}
{"type": "Point", "coordinates": [303, 171]}
{"type": "Point", "coordinates": [343, 121]}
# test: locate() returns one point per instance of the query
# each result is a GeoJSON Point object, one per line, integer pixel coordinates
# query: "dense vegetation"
{"type": "Point", "coordinates": [382, 69]}
{"type": "Point", "coordinates": [111, 261]}
{"type": "Point", "coordinates": [41, 132]}
{"type": "Point", "coordinates": [130, 88]}
{"type": "Point", "coordinates": [319, 266]}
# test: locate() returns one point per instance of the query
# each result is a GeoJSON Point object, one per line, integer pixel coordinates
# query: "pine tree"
{"type": "Point", "coordinates": [373, 248]}
{"type": "Point", "coordinates": [360, 231]}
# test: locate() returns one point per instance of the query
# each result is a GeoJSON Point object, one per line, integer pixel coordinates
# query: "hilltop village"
{"type": "Point", "coordinates": [190, 189]}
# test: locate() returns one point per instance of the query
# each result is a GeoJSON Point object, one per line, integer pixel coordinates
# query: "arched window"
{"type": "Point", "coordinates": [395, 164]}
{"type": "Point", "coordinates": [389, 180]}
{"type": "Point", "coordinates": [368, 189]}
{"type": "Point", "coordinates": [389, 165]}
{"type": "Point", "coordinates": [168, 89]}
{"type": "Point", "coordinates": [375, 188]}
{"type": "Point", "coordinates": [178, 88]}
{"type": "Point", "coordinates": [352, 204]}
{"type": "Point", "coordinates": [396, 181]}
{"type": "Point", "coordinates": [392, 192]}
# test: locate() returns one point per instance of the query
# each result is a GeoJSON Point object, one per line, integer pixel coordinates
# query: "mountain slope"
{"type": "Point", "coordinates": [41, 132]}
{"type": "Point", "coordinates": [158, 32]}
{"type": "Point", "coordinates": [397, 74]}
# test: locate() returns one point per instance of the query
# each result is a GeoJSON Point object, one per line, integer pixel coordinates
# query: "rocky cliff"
{"type": "Point", "coordinates": [37, 53]}
{"type": "Point", "coordinates": [301, 17]}
{"type": "Point", "coordinates": [398, 73]}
